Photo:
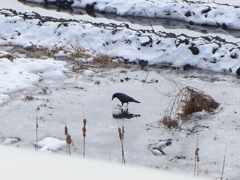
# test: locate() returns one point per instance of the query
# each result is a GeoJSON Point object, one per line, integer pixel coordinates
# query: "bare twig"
{"type": "Point", "coordinates": [36, 125]}
{"type": "Point", "coordinates": [224, 160]}
{"type": "Point", "coordinates": [148, 19]}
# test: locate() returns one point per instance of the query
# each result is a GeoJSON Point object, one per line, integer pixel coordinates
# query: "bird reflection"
{"type": "Point", "coordinates": [124, 114]}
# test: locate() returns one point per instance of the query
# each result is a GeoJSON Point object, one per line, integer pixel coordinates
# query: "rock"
{"type": "Point", "coordinates": [194, 50]}
{"type": "Point", "coordinates": [90, 9]}
{"type": "Point", "coordinates": [238, 71]}
{"type": "Point", "coordinates": [187, 67]}
{"type": "Point", "coordinates": [224, 26]}
{"type": "Point", "coordinates": [234, 56]}
{"type": "Point", "coordinates": [142, 63]}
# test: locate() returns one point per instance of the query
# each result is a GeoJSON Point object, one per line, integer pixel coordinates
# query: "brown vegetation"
{"type": "Point", "coordinates": [189, 100]}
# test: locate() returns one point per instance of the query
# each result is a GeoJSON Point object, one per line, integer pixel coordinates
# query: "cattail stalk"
{"type": "Point", "coordinates": [197, 159]}
{"type": "Point", "coordinates": [84, 130]}
{"type": "Point", "coordinates": [121, 137]}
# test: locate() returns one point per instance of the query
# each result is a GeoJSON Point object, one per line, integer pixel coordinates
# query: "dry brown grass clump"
{"type": "Point", "coordinates": [195, 101]}
{"type": "Point", "coordinates": [38, 51]}
{"type": "Point", "coordinates": [167, 121]}
{"type": "Point", "coordinates": [103, 59]}
{"type": "Point", "coordinates": [8, 56]}
{"type": "Point", "coordinates": [189, 100]}
{"type": "Point", "coordinates": [78, 52]}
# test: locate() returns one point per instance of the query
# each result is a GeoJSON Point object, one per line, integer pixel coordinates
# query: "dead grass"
{"type": "Point", "coordinates": [196, 100]}
{"type": "Point", "coordinates": [72, 52]}
{"type": "Point", "coordinates": [170, 123]}
{"type": "Point", "coordinates": [78, 51]}
{"type": "Point", "coordinates": [103, 59]}
{"type": "Point", "coordinates": [188, 100]}
{"type": "Point", "coordinates": [38, 51]}
{"type": "Point", "coordinates": [8, 56]}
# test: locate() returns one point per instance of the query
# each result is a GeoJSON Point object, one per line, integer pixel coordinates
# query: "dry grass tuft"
{"type": "Point", "coordinates": [167, 121]}
{"type": "Point", "coordinates": [77, 51]}
{"type": "Point", "coordinates": [8, 56]}
{"type": "Point", "coordinates": [103, 59]}
{"type": "Point", "coordinates": [32, 48]}
{"type": "Point", "coordinates": [189, 100]}
{"type": "Point", "coordinates": [196, 100]}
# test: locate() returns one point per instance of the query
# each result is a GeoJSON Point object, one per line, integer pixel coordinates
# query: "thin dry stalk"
{"type": "Point", "coordinates": [66, 133]}
{"type": "Point", "coordinates": [77, 51]}
{"type": "Point", "coordinates": [148, 19]}
{"type": "Point", "coordinates": [197, 159]}
{"type": "Point", "coordinates": [84, 130]}
{"type": "Point", "coordinates": [121, 137]}
{"type": "Point", "coordinates": [224, 160]}
{"type": "Point", "coordinates": [36, 130]}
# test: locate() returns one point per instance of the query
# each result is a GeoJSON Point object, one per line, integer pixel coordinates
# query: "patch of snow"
{"type": "Point", "coordinates": [51, 144]}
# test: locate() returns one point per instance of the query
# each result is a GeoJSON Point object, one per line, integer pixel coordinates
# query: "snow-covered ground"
{"type": "Point", "coordinates": [57, 93]}
{"type": "Point", "coordinates": [31, 165]}
{"type": "Point", "coordinates": [120, 41]}
{"type": "Point", "coordinates": [205, 13]}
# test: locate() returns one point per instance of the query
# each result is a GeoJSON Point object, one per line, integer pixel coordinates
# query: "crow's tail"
{"type": "Point", "coordinates": [136, 101]}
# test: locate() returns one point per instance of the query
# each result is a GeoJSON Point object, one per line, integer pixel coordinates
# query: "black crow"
{"type": "Point", "coordinates": [124, 98]}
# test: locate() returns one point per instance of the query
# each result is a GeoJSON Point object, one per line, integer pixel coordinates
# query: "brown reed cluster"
{"type": "Point", "coordinates": [68, 141]}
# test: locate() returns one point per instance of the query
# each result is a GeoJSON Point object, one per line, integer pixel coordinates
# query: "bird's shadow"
{"type": "Point", "coordinates": [123, 114]}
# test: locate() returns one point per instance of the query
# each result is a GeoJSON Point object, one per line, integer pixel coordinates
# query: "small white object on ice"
{"type": "Point", "coordinates": [162, 145]}
{"type": "Point", "coordinates": [10, 140]}
{"type": "Point", "coordinates": [157, 148]}
{"type": "Point", "coordinates": [200, 114]}
{"type": "Point", "coordinates": [156, 152]}
{"type": "Point", "coordinates": [51, 144]}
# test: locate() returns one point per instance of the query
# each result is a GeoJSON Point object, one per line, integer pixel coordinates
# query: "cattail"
{"type": "Point", "coordinates": [121, 137]}
{"type": "Point", "coordinates": [84, 122]}
{"type": "Point", "coordinates": [69, 140]}
{"type": "Point", "coordinates": [84, 130]}
{"type": "Point", "coordinates": [66, 131]}
{"type": "Point", "coordinates": [119, 133]}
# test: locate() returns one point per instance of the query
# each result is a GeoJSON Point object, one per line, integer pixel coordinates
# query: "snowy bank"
{"type": "Point", "coordinates": [32, 165]}
{"type": "Point", "coordinates": [119, 41]}
{"type": "Point", "coordinates": [209, 14]}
